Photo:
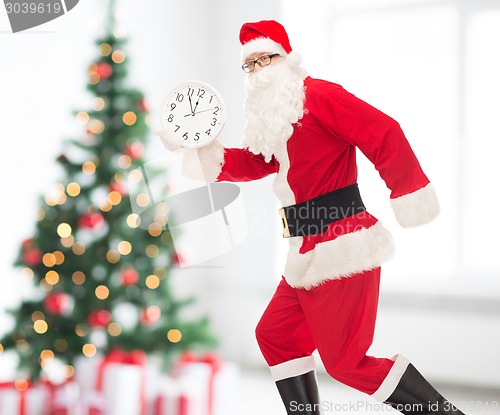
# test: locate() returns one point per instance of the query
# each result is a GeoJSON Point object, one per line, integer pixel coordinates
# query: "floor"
{"type": "Point", "coordinates": [260, 397]}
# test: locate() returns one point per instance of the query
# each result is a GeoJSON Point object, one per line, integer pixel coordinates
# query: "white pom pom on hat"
{"type": "Point", "coordinates": [264, 36]}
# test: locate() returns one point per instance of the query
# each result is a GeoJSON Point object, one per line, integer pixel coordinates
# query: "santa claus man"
{"type": "Point", "coordinates": [306, 131]}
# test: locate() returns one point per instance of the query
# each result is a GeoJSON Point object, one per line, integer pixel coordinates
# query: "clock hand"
{"type": "Point", "coordinates": [210, 109]}
{"type": "Point", "coordinates": [199, 112]}
{"type": "Point", "coordinates": [196, 106]}
{"type": "Point", "coordinates": [191, 105]}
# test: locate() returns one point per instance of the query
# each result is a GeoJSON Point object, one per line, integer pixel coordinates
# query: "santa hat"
{"type": "Point", "coordinates": [264, 36]}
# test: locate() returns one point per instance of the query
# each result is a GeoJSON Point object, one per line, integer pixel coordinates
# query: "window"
{"type": "Point", "coordinates": [433, 66]}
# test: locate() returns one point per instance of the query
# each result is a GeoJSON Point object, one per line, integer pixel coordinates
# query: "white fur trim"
{"type": "Point", "coordinates": [392, 379]}
{"type": "Point", "coordinates": [294, 58]}
{"type": "Point", "coordinates": [261, 44]}
{"type": "Point", "coordinates": [295, 367]}
{"type": "Point", "coordinates": [281, 187]}
{"type": "Point", "coordinates": [205, 163]}
{"type": "Point", "coordinates": [346, 255]}
{"type": "Point", "coordinates": [417, 208]}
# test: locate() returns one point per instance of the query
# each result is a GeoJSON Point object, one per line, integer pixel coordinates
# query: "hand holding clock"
{"type": "Point", "coordinates": [171, 141]}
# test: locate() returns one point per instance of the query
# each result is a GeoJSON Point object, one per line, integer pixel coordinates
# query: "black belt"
{"type": "Point", "coordinates": [314, 216]}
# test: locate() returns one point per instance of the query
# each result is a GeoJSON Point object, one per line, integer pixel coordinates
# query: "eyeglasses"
{"type": "Point", "coordinates": [264, 60]}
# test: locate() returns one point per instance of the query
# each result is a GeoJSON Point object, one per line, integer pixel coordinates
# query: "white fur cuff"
{"type": "Point", "coordinates": [261, 45]}
{"type": "Point", "coordinates": [390, 383]}
{"type": "Point", "coordinates": [205, 163]}
{"type": "Point", "coordinates": [295, 367]}
{"type": "Point", "coordinates": [417, 208]}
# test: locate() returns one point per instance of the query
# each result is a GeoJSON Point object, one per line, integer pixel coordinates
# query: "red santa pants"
{"type": "Point", "coordinates": [337, 318]}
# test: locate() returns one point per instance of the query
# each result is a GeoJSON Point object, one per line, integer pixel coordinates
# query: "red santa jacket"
{"type": "Point", "coordinates": [319, 157]}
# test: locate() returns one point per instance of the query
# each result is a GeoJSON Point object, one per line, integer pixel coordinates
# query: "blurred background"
{"type": "Point", "coordinates": [432, 65]}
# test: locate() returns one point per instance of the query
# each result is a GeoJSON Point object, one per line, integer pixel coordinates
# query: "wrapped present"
{"type": "Point", "coordinates": [226, 390]}
{"type": "Point", "coordinates": [210, 383]}
{"type": "Point", "coordinates": [172, 398]}
{"type": "Point", "coordinates": [155, 381]}
{"type": "Point", "coordinates": [23, 398]}
{"type": "Point", "coordinates": [64, 398]}
{"type": "Point", "coordinates": [113, 384]}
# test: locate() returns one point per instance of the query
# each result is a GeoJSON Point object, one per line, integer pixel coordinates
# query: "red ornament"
{"type": "Point", "coordinates": [58, 304]}
{"type": "Point", "coordinates": [32, 257]}
{"type": "Point", "coordinates": [144, 105]}
{"type": "Point", "coordinates": [150, 315]}
{"type": "Point", "coordinates": [91, 220]}
{"type": "Point", "coordinates": [104, 70]}
{"type": "Point", "coordinates": [134, 150]}
{"type": "Point", "coordinates": [99, 318]}
{"type": "Point", "coordinates": [27, 243]}
{"type": "Point", "coordinates": [129, 276]}
{"type": "Point", "coordinates": [117, 187]}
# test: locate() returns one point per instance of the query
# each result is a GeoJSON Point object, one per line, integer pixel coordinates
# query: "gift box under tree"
{"type": "Point", "coordinates": [205, 385]}
{"type": "Point", "coordinates": [22, 397]}
{"type": "Point", "coordinates": [114, 384]}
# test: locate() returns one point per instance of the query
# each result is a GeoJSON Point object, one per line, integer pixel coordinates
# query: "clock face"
{"type": "Point", "coordinates": [194, 111]}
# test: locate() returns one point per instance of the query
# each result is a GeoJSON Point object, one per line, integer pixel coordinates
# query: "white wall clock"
{"type": "Point", "coordinates": [195, 111]}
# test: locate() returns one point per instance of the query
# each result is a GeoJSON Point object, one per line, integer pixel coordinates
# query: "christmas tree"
{"type": "Point", "coordinates": [100, 276]}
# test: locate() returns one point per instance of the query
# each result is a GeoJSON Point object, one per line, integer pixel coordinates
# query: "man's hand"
{"type": "Point", "coordinates": [169, 140]}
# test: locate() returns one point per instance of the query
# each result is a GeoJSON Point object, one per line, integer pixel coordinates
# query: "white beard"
{"type": "Point", "coordinates": [274, 102]}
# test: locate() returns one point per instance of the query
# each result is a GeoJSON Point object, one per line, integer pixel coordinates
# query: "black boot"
{"type": "Point", "coordinates": [415, 396]}
{"type": "Point", "coordinates": [300, 394]}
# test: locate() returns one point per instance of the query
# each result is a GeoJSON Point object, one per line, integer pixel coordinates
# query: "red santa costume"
{"type": "Point", "coordinates": [327, 299]}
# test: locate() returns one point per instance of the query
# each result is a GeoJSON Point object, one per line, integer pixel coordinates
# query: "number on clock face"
{"type": "Point", "coordinates": [194, 111]}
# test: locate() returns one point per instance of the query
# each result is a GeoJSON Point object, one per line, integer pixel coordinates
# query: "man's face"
{"type": "Point", "coordinates": [257, 55]}
{"type": "Point", "coordinates": [274, 102]}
